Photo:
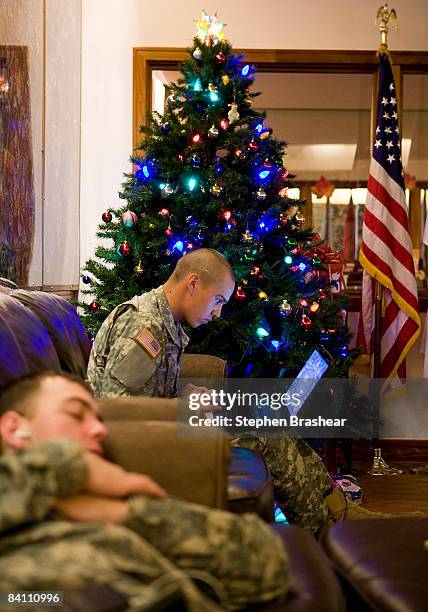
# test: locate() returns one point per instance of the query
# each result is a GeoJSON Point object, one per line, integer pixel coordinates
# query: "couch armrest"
{"type": "Point", "coordinates": [189, 468]}
{"type": "Point", "coordinates": [202, 366]}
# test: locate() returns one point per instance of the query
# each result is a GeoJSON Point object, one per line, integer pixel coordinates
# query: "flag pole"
{"type": "Point", "coordinates": [379, 467]}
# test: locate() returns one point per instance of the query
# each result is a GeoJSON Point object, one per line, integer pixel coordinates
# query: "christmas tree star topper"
{"type": "Point", "coordinates": [209, 29]}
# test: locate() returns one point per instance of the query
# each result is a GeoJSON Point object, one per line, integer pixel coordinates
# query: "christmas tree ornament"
{"type": "Point", "coordinates": [197, 139]}
{"type": "Point", "coordinates": [169, 232]}
{"type": "Point", "coordinates": [299, 219]}
{"type": "Point", "coordinates": [129, 218]}
{"type": "Point", "coordinates": [284, 175]}
{"type": "Point", "coordinates": [213, 132]}
{"type": "Point", "coordinates": [197, 53]}
{"type": "Point", "coordinates": [164, 212]}
{"type": "Point", "coordinates": [220, 58]}
{"type": "Point", "coordinates": [303, 303]}
{"type": "Point", "coordinates": [240, 294]}
{"type": "Point", "coordinates": [233, 114]}
{"type": "Point", "coordinates": [255, 271]}
{"type": "Point", "coordinates": [171, 99]}
{"type": "Point", "coordinates": [196, 161]}
{"type": "Point", "coordinates": [321, 294]}
{"type": "Point", "coordinates": [283, 192]}
{"type": "Point", "coordinates": [165, 128]}
{"type": "Point", "coordinates": [181, 157]}
{"type": "Point", "coordinates": [225, 79]}
{"type": "Point", "coordinates": [316, 261]}
{"type": "Point", "coordinates": [261, 194]}
{"type": "Point", "coordinates": [226, 214]}
{"type": "Point", "coordinates": [167, 191]}
{"type": "Point", "coordinates": [197, 85]}
{"type": "Point", "coordinates": [216, 190]}
{"type": "Point", "coordinates": [305, 321]}
{"type": "Point", "coordinates": [124, 249]}
{"type": "Point", "coordinates": [209, 29]}
{"type": "Point", "coordinates": [224, 124]}
{"type": "Point", "coordinates": [264, 134]}
{"type": "Point", "coordinates": [86, 279]}
{"type": "Point", "coordinates": [138, 269]}
{"type": "Point", "coordinates": [285, 306]}
{"type": "Point", "coordinates": [190, 246]}
{"type": "Point", "coordinates": [283, 219]}
{"type": "Point", "coordinates": [94, 306]}
{"type": "Point", "coordinates": [253, 145]}
{"type": "Point", "coordinates": [263, 295]}
{"type": "Point", "coordinates": [151, 225]}
{"type": "Point", "coordinates": [107, 217]}
{"type": "Point", "coordinates": [247, 236]}
{"type": "Point", "coordinates": [314, 307]}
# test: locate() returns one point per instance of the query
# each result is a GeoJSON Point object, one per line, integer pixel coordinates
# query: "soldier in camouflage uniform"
{"type": "Point", "coordinates": [68, 518]}
{"type": "Point", "coordinates": [138, 348]}
{"type": "Point", "coordinates": [137, 351]}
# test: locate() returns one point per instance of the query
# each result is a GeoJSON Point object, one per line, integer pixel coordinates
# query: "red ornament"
{"type": "Point", "coordinates": [321, 294]}
{"type": "Point", "coordinates": [220, 58]}
{"type": "Point", "coordinates": [196, 138]}
{"type": "Point", "coordinates": [224, 124]}
{"type": "Point", "coordinates": [190, 246]}
{"type": "Point", "coordinates": [164, 212]}
{"type": "Point", "coordinates": [283, 219]}
{"type": "Point", "coordinates": [181, 157]}
{"type": "Point", "coordinates": [240, 294]}
{"type": "Point", "coordinates": [306, 321]}
{"type": "Point", "coordinates": [94, 306]}
{"type": "Point", "coordinates": [285, 175]}
{"type": "Point", "coordinates": [107, 217]}
{"type": "Point", "coordinates": [253, 145]}
{"type": "Point", "coordinates": [255, 271]}
{"type": "Point", "coordinates": [226, 214]}
{"type": "Point", "coordinates": [168, 232]}
{"type": "Point", "coordinates": [124, 249]}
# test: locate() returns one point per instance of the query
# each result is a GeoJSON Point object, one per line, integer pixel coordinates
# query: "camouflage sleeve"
{"type": "Point", "coordinates": [134, 356]}
{"type": "Point", "coordinates": [242, 552]}
{"type": "Point", "coordinates": [32, 479]}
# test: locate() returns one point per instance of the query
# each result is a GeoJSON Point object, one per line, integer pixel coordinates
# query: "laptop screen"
{"type": "Point", "coordinates": [307, 378]}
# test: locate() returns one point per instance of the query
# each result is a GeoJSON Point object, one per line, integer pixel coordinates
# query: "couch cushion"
{"type": "Point", "coordinates": [383, 560]}
{"type": "Point", "coordinates": [63, 324]}
{"type": "Point", "coordinates": [313, 585]}
{"type": "Point", "coordinates": [25, 345]}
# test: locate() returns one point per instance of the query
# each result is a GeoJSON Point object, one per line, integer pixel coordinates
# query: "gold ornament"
{"type": "Point", "coordinates": [285, 307]}
{"type": "Point", "coordinates": [263, 295]}
{"type": "Point", "coordinates": [247, 236]}
{"type": "Point", "coordinates": [139, 268]}
{"type": "Point", "coordinates": [225, 79]}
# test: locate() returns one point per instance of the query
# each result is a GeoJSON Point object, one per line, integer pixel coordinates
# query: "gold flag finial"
{"type": "Point", "coordinates": [384, 18]}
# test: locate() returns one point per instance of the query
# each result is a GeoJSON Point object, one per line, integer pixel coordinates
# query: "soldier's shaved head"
{"type": "Point", "coordinates": [207, 263]}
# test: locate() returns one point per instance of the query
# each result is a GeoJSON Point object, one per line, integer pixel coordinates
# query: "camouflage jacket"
{"type": "Point", "coordinates": [137, 350]}
{"type": "Point", "coordinates": [41, 551]}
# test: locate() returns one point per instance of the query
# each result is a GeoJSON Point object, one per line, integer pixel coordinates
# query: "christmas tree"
{"type": "Point", "coordinates": [210, 174]}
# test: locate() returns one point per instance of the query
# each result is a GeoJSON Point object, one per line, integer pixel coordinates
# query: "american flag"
{"type": "Point", "coordinates": [386, 249]}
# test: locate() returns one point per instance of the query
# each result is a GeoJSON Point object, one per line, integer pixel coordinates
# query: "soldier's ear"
{"type": "Point", "coordinates": [192, 281]}
{"type": "Point", "coordinates": [14, 430]}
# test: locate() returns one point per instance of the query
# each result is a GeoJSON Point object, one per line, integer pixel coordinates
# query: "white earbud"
{"type": "Point", "coordinates": [21, 433]}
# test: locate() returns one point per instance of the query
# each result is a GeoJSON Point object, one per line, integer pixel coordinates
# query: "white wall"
{"type": "Point", "coordinates": [55, 258]}
{"type": "Point", "coordinates": [111, 29]}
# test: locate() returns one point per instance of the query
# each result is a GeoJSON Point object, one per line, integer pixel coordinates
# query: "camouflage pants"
{"type": "Point", "coordinates": [300, 479]}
